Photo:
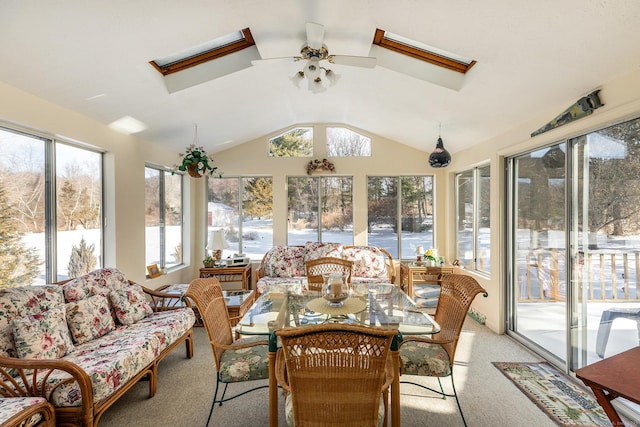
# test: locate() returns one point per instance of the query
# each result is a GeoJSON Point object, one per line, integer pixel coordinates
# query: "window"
{"type": "Point", "coordinates": [163, 217]}
{"type": "Point", "coordinates": [320, 209]}
{"type": "Point", "coordinates": [343, 142]}
{"type": "Point", "coordinates": [51, 216]}
{"type": "Point", "coordinates": [400, 203]}
{"type": "Point", "coordinates": [243, 208]}
{"type": "Point", "coordinates": [296, 142]}
{"type": "Point", "coordinates": [473, 235]}
{"type": "Point", "coordinates": [214, 49]}
{"type": "Point", "coordinates": [422, 51]}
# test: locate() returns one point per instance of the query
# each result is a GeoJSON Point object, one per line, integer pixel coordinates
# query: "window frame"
{"type": "Point", "coordinates": [476, 202]}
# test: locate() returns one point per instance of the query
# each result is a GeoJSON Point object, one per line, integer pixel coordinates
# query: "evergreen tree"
{"type": "Point", "coordinates": [82, 259]}
{"type": "Point", "coordinates": [259, 203]}
{"type": "Point", "coordinates": [19, 265]}
{"type": "Point", "coordinates": [292, 144]}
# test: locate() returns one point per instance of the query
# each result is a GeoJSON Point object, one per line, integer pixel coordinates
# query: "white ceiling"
{"type": "Point", "coordinates": [92, 56]}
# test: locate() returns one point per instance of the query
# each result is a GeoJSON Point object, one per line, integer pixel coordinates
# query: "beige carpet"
{"type": "Point", "coordinates": [488, 398]}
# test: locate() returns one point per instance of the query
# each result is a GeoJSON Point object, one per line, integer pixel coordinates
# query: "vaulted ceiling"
{"type": "Point", "coordinates": [93, 57]}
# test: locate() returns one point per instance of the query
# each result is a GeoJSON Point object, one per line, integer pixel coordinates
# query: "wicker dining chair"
{"type": "Point", "coordinates": [244, 359]}
{"type": "Point", "coordinates": [434, 356]}
{"type": "Point", "coordinates": [315, 268]}
{"type": "Point", "coordinates": [334, 374]}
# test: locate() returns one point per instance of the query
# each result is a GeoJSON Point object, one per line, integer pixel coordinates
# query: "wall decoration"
{"type": "Point", "coordinates": [320, 166]}
{"type": "Point", "coordinates": [583, 107]}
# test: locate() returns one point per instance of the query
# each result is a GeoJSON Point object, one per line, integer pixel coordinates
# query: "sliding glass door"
{"type": "Point", "coordinates": [574, 245]}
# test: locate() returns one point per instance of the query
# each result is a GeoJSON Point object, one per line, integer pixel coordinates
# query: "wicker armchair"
{"type": "Point", "coordinates": [434, 357]}
{"type": "Point", "coordinates": [317, 267]}
{"type": "Point", "coordinates": [248, 353]}
{"type": "Point", "coordinates": [334, 374]}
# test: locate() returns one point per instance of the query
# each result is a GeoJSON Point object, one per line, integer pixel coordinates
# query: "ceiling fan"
{"type": "Point", "coordinates": [314, 51]}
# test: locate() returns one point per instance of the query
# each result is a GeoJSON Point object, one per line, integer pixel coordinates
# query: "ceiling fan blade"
{"type": "Point", "coordinates": [315, 35]}
{"type": "Point", "coordinates": [275, 60]}
{"type": "Point", "coordinates": [353, 61]}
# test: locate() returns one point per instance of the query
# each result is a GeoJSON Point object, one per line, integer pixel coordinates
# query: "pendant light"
{"type": "Point", "coordinates": [440, 158]}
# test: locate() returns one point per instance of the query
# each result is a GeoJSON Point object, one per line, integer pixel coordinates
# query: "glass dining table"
{"type": "Point", "coordinates": [377, 305]}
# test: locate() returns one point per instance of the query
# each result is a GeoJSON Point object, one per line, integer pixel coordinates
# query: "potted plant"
{"type": "Point", "coordinates": [196, 162]}
{"type": "Point", "coordinates": [208, 261]}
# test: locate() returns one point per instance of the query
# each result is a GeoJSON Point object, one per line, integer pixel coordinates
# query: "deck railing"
{"type": "Point", "coordinates": [609, 275]}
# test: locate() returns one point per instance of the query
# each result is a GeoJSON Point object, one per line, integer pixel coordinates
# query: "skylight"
{"type": "Point", "coordinates": [204, 52]}
{"type": "Point", "coordinates": [422, 51]}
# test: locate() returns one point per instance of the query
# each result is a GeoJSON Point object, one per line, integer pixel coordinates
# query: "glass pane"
{"type": "Point", "coordinates": [302, 222]}
{"type": "Point", "coordinates": [294, 143]}
{"type": "Point", "coordinates": [22, 217]}
{"type": "Point", "coordinates": [483, 239]}
{"type": "Point", "coordinates": [382, 208]}
{"type": "Point", "coordinates": [257, 216]}
{"type": "Point", "coordinates": [464, 219]}
{"type": "Point", "coordinates": [336, 198]}
{"type": "Point", "coordinates": [540, 287]}
{"type": "Point", "coordinates": [417, 214]}
{"type": "Point", "coordinates": [79, 196]}
{"type": "Point", "coordinates": [152, 216]}
{"type": "Point", "coordinates": [223, 211]}
{"type": "Point", "coordinates": [607, 239]}
{"type": "Point", "coordinates": [173, 219]}
{"type": "Point", "coordinates": [343, 142]}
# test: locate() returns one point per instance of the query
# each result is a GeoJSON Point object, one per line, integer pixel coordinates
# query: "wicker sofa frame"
{"type": "Point", "coordinates": [34, 372]}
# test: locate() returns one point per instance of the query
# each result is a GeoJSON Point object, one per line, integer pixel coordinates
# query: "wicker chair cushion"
{"type": "Point", "coordinates": [313, 250]}
{"type": "Point", "coordinates": [368, 261]}
{"type": "Point", "coordinates": [285, 261]}
{"type": "Point", "coordinates": [43, 335]}
{"type": "Point", "coordinates": [419, 358]}
{"type": "Point", "coordinates": [130, 304]}
{"type": "Point", "coordinates": [288, 411]}
{"type": "Point", "coordinates": [89, 318]}
{"type": "Point", "coordinates": [245, 364]}
{"type": "Point", "coordinates": [10, 407]}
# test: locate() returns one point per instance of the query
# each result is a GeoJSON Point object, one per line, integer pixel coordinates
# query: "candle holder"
{"type": "Point", "coordinates": [334, 289]}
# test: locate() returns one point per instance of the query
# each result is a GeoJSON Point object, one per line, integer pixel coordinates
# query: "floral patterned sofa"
{"type": "Point", "coordinates": [83, 343]}
{"type": "Point", "coordinates": [284, 266]}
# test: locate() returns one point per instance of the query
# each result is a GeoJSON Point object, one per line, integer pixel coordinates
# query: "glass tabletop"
{"type": "Point", "coordinates": [382, 305]}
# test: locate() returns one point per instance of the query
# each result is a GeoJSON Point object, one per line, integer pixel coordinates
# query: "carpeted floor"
{"type": "Point", "coordinates": [488, 398]}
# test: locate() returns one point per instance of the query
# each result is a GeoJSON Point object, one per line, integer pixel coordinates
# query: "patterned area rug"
{"type": "Point", "coordinates": [557, 395]}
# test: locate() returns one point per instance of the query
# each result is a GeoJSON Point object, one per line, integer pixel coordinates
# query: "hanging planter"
{"type": "Point", "coordinates": [195, 161]}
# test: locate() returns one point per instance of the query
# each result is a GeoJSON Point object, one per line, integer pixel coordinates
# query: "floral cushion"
{"type": "Point", "coordinates": [285, 261]}
{"type": "Point", "coordinates": [314, 250]}
{"type": "Point", "coordinates": [101, 281]}
{"type": "Point", "coordinates": [130, 304]}
{"type": "Point", "coordinates": [419, 358]}
{"type": "Point", "coordinates": [26, 300]}
{"type": "Point", "coordinates": [43, 335]}
{"type": "Point", "coordinates": [281, 284]}
{"type": "Point", "coordinates": [245, 364]}
{"type": "Point", "coordinates": [7, 346]}
{"type": "Point", "coordinates": [167, 326]}
{"type": "Point", "coordinates": [89, 318]}
{"type": "Point", "coordinates": [11, 406]}
{"type": "Point", "coordinates": [288, 410]}
{"type": "Point", "coordinates": [368, 261]}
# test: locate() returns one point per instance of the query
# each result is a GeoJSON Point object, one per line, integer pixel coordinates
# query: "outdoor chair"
{"type": "Point", "coordinates": [244, 359]}
{"type": "Point", "coordinates": [316, 268]}
{"type": "Point", "coordinates": [335, 375]}
{"type": "Point", "coordinates": [434, 356]}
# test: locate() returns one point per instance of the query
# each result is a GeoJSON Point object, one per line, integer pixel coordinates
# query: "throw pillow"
{"type": "Point", "coordinates": [42, 336]}
{"type": "Point", "coordinates": [89, 318]}
{"type": "Point", "coordinates": [314, 250]}
{"type": "Point", "coordinates": [285, 261]}
{"type": "Point", "coordinates": [130, 304]}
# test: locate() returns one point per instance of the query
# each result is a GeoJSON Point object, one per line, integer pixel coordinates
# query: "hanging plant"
{"type": "Point", "coordinates": [195, 161]}
{"type": "Point", "coordinates": [319, 166]}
